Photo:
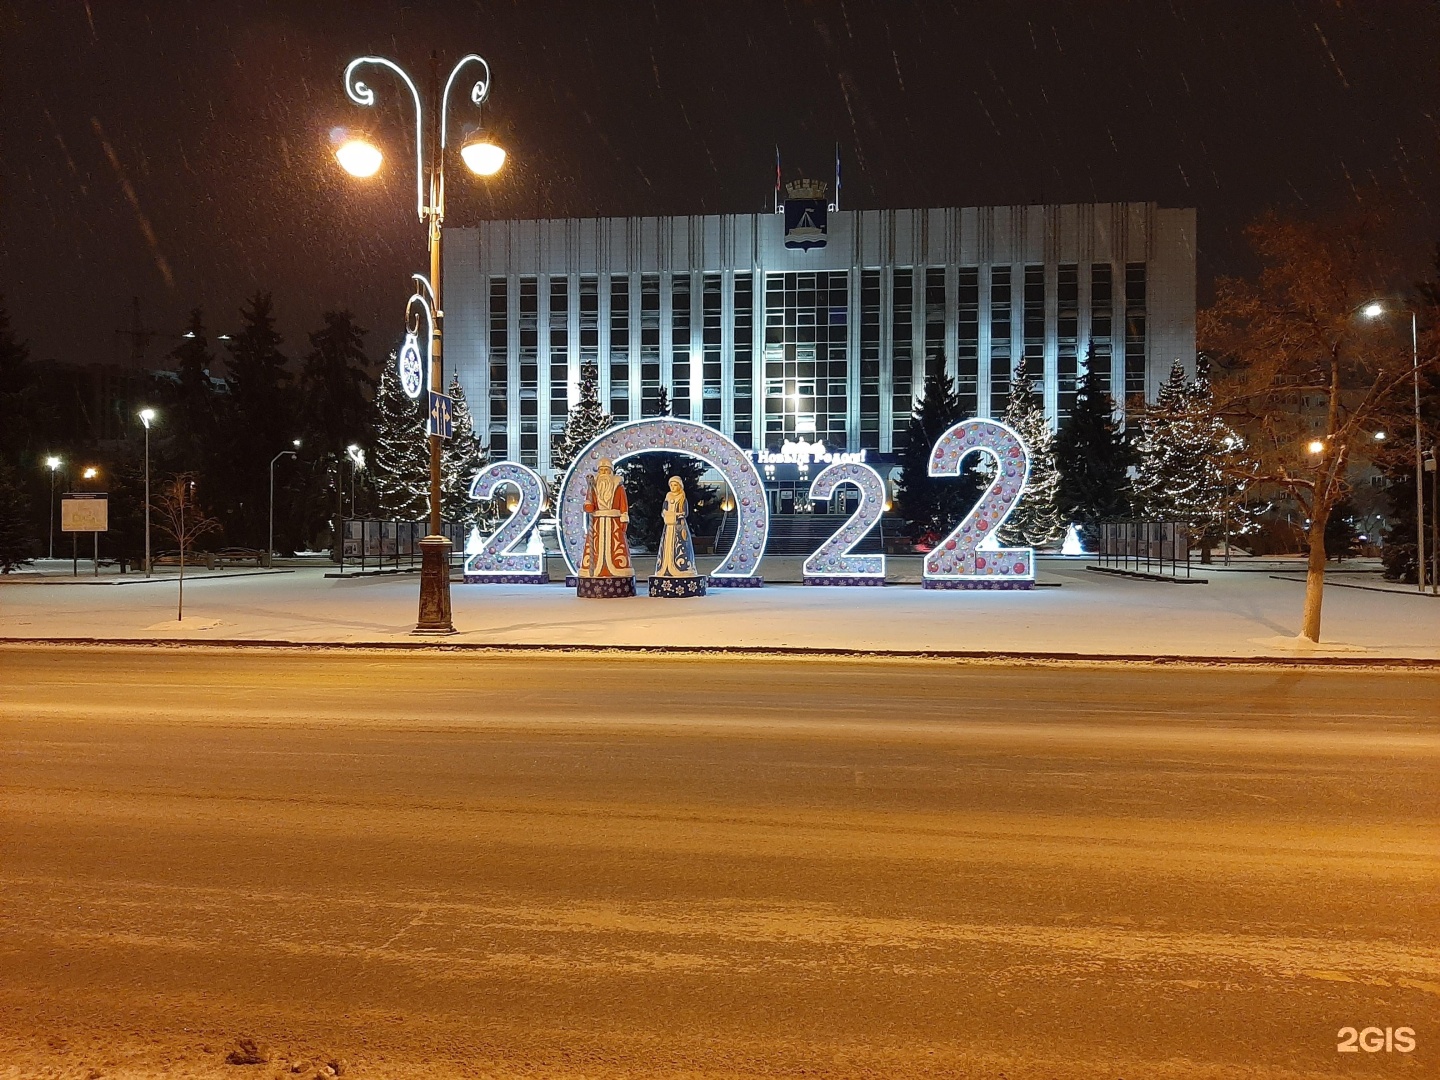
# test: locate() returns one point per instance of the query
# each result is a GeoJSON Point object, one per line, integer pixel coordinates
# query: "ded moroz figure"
{"type": "Point", "coordinates": [675, 574]}
{"type": "Point", "coordinates": [605, 569]}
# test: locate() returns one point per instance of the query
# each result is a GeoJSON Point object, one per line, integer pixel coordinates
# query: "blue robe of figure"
{"type": "Point", "coordinates": [676, 557]}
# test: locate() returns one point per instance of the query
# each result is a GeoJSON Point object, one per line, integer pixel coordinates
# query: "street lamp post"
{"type": "Point", "coordinates": [1431, 466]}
{"type": "Point", "coordinates": [359, 157]}
{"type": "Point", "coordinates": [52, 463]}
{"type": "Point", "coordinates": [277, 457]}
{"type": "Point", "coordinates": [146, 416]}
{"type": "Point", "coordinates": [1374, 310]}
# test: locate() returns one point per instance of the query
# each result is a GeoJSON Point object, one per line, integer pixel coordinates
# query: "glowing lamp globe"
{"type": "Point", "coordinates": [1316, 446]}
{"type": "Point", "coordinates": [482, 156]}
{"type": "Point", "coordinates": [359, 157]}
{"type": "Point", "coordinates": [1373, 310]}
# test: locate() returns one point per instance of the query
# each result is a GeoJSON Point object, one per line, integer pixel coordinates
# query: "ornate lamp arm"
{"type": "Point", "coordinates": [361, 94]}
{"type": "Point", "coordinates": [412, 326]}
{"type": "Point", "coordinates": [478, 93]}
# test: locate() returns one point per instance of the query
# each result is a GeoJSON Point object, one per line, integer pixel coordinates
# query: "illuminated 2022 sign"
{"type": "Point", "coordinates": [970, 557]}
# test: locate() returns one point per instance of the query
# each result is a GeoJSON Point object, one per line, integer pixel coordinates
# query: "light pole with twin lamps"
{"type": "Point", "coordinates": [361, 157]}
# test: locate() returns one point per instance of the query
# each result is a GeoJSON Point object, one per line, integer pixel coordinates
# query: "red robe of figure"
{"type": "Point", "coordinates": [607, 552]}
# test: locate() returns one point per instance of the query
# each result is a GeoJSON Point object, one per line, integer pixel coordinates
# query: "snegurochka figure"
{"type": "Point", "coordinates": [675, 574]}
{"type": "Point", "coordinates": [605, 569]}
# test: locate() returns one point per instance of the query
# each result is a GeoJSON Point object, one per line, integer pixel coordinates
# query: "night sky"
{"type": "Point", "coordinates": [179, 151]}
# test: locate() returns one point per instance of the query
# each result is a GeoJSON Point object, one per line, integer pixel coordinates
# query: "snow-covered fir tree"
{"type": "Point", "coordinates": [461, 457]}
{"type": "Point", "coordinates": [1191, 462]}
{"type": "Point", "coordinates": [1035, 520]}
{"type": "Point", "coordinates": [1093, 457]}
{"type": "Point", "coordinates": [586, 420]}
{"type": "Point", "coordinates": [400, 462]}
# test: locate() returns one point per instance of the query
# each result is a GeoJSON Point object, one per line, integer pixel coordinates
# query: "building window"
{"type": "Point", "coordinates": [744, 341]}
{"type": "Point", "coordinates": [680, 345]}
{"type": "Point", "coordinates": [1034, 324]}
{"type": "Point", "coordinates": [1102, 298]}
{"type": "Point", "coordinates": [1067, 302]}
{"type": "Point", "coordinates": [710, 341]}
{"type": "Point", "coordinates": [620, 348]}
{"type": "Point", "coordinates": [901, 352]}
{"type": "Point", "coordinates": [1135, 330]}
{"type": "Point", "coordinates": [649, 344]}
{"type": "Point", "coordinates": [1000, 363]}
{"type": "Point", "coordinates": [499, 364]}
{"type": "Point", "coordinates": [935, 321]}
{"type": "Point", "coordinates": [589, 319]}
{"type": "Point", "coordinates": [870, 315]}
{"type": "Point", "coordinates": [529, 370]}
{"type": "Point", "coordinates": [967, 340]}
{"type": "Point", "coordinates": [559, 359]}
{"type": "Point", "coordinates": [806, 364]}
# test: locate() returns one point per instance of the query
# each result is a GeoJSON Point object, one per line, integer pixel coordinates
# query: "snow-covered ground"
{"type": "Point", "coordinates": [1239, 613]}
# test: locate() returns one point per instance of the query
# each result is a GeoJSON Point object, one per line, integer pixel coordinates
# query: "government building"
{"type": "Point", "coordinates": [811, 324]}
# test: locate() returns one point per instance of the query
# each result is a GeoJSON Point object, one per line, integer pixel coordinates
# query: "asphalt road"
{"type": "Point", "coordinates": [434, 865]}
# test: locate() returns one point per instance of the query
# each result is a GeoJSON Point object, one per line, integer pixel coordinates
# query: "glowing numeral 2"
{"type": "Point", "coordinates": [832, 563]}
{"type": "Point", "coordinates": [494, 563]}
{"type": "Point", "coordinates": [971, 557]}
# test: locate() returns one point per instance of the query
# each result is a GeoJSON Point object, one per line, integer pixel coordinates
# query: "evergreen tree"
{"type": "Point", "coordinates": [1093, 458]}
{"type": "Point", "coordinates": [258, 416]}
{"type": "Point", "coordinates": [335, 410]}
{"type": "Point", "coordinates": [189, 435]}
{"type": "Point", "coordinates": [1035, 520]}
{"type": "Point", "coordinates": [462, 456]}
{"type": "Point", "coordinates": [15, 379]}
{"type": "Point", "coordinates": [1190, 462]}
{"type": "Point", "coordinates": [400, 462]}
{"type": "Point", "coordinates": [257, 378]}
{"type": "Point", "coordinates": [17, 544]}
{"type": "Point", "coordinates": [335, 385]}
{"type": "Point", "coordinates": [931, 505]}
{"type": "Point", "coordinates": [586, 420]}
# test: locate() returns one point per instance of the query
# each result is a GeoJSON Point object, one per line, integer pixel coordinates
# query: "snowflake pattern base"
{"type": "Point", "coordinates": [848, 580]}
{"type": "Point", "coordinates": [736, 582]}
{"type": "Point", "coordinates": [675, 588]}
{"type": "Point", "coordinates": [604, 588]}
{"type": "Point", "coordinates": [971, 583]}
{"type": "Point", "coordinates": [507, 579]}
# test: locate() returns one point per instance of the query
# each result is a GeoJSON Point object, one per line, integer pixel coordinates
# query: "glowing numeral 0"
{"type": "Point", "coordinates": [832, 562]}
{"type": "Point", "coordinates": [494, 563]}
{"type": "Point", "coordinates": [971, 556]}
{"type": "Point", "coordinates": [740, 568]}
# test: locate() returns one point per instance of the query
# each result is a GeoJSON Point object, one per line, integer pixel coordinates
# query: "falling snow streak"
{"type": "Point", "coordinates": [160, 263]}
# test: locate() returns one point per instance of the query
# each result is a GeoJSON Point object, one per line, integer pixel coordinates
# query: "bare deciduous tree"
{"type": "Point", "coordinates": [1310, 377]}
{"type": "Point", "coordinates": [179, 517]}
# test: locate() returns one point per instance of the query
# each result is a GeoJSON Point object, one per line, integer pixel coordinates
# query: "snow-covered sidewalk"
{"type": "Point", "coordinates": [1238, 614]}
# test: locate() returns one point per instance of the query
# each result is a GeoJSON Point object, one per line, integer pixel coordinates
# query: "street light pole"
{"type": "Point", "coordinates": [1419, 458]}
{"type": "Point", "coordinates": [52, 463]}
{"type": "Point", "coordinates": [360, 158]}
{"type": "Point", "coordinates": [147, 415]}
{"type": "Point", "coordinates": [277, 457]}
{"type": "Point", "coordinates": [1433, 467]}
